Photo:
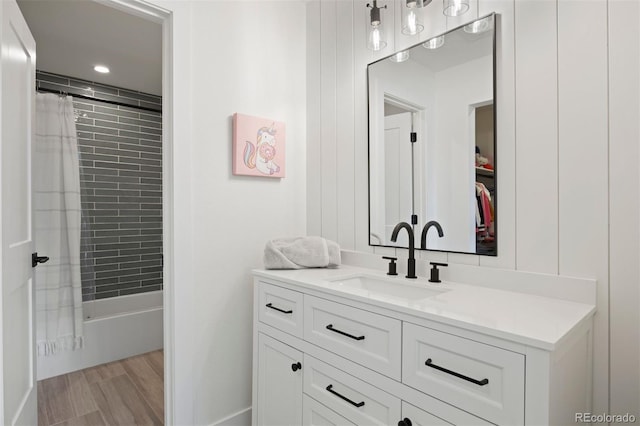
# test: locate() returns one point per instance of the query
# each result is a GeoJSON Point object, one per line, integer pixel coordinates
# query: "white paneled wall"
{"type": "Point", "coordinates": [624, 210]}
{"type": "Point", "coordinates": [567, 131]}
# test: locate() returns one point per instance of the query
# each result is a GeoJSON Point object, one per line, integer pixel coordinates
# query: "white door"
{"type": "Point", "coordinates": [398, 192]}
{"type": "Point", "coordinates": [17, 70]}
{"type": "Point", "coordinates": [279, 383]}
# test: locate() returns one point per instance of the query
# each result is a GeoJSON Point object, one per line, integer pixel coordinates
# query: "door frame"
{"type": "Point", "coordinates": [164, 17]}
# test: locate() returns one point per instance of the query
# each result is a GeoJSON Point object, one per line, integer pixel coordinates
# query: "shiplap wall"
{"type": "Point", "coordinates": [567, 131]}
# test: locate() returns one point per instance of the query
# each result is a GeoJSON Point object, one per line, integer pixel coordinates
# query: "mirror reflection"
{"type": "Point", "coordinates": [432, 141]}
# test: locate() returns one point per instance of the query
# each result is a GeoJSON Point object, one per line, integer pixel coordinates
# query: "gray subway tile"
{"type": "Point", "coordinates": [119, 179]}
{"type": "Point", "coordinates": [106, 281]}
{"type": "Point", "coordinates": [118, 246]}
{"type": "Point", "coordinates": [150, 275]}
{"type": "Point", "coordinates": [117, 260]}
{"type": "Point", "coordinates": [101, 185]}
{"type": "Point", "coordinates": [153, 105]}
{"type": "Point", "coordinates": [119, 112]}
{"type": "Point", "coordinates": [52, 78]}
{"type": "Point", "coordinates": [106, 295]}
{"type": "Point", "coordinates": [151, 206]}
{"type": "Point", "coordinates": [140, 290]}
{"type": "Point", "coordinates": [118, 273]}
{"type": "Point", "coordinates": [94, 199]}
{"type": "Point", "coordinates": [116, 192]}
{"type": "Point", "coordinates": [146, 225]}
{"type": "Point", "coordinates": [141, 174]}
{"type": "Point", "coordinates": [142, 251]}
{"type": "Point", "coordinates": [150, 181]}
{"type": "Point", "coordinates": [151, 116]}
{"type": "Point", "coordinates": [150, 168]}
{"type": "Point", "coordinates": [151, 193]}
{"type": "Point", "coordinates": [139, 148]}
{"type": "Point", "coordinates": [119, 139]}
{"type": "Point", "coordinates": [151, 156]}
{"type": "Point", "coordinates": [118, 125]}
{"type": "Point", "coordinates": [153, 281]}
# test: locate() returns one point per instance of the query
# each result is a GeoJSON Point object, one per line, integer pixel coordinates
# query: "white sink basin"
{"type": "Point", "coordinates": [386, 288]}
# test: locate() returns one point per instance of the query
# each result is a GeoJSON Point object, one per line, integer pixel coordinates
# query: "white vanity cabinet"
{"type": "Point", "coordinates": [279, 383]}
{"type": "Point", "coordinates": [326, 358]}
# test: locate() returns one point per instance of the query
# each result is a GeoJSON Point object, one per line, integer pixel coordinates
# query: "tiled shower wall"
{"type": "Point", "coordinates": [121, 185]}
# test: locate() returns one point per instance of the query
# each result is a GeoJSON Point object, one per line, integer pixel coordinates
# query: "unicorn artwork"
{"type": "Point", "coordinates": [261, 156]}
{"type": "Point", "coordinates": [265, 157]}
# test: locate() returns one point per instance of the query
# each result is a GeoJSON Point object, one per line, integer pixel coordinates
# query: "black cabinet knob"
{"type": "Point", "coordinates": [297, 366]}
{"type": "Point", "coordinates": [405, 422]}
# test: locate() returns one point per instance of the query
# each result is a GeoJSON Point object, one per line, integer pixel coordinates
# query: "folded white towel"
{"type": "Point", "coordinates": [301, 252]}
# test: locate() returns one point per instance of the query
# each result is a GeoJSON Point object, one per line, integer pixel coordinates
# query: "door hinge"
{"type": "Point", "coordinates": [414, 137]}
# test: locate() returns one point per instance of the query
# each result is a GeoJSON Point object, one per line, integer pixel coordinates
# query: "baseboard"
{"type": "Point", "coordinates": [241, 418]}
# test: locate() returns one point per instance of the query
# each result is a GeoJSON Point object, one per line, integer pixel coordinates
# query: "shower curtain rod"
{"type": "Point", "coordinates": [93, 98]}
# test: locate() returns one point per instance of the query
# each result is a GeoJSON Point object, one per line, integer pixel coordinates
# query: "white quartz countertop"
{"type": "Point", "coordinates": [519, 317]}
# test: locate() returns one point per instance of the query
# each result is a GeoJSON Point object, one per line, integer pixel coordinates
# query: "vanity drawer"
{"type": "Point", "coordinates": [478, 378]}
{"type": "Point", "coordinates": [316, 414]}
{"type": "Point", "coordinates": [355, 400]}
{"type": "Point", "coordinates": [280, 308]}
{"type": "Point", "coordinates": [366, 338]}
{"type": "Point", "coordinates": [418, 417]}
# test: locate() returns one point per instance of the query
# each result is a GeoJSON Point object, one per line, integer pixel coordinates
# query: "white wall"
{"type": "Point", "coordinates": [229, 56]}
{"type": "Point", "coordinates": [567, 109]}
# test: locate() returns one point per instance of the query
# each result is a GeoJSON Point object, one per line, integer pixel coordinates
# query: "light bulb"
{"type": "Point", "coordinates": [434, 43]}
{"type": "Point", "coordinates": [479, 26]}
{"type": "Point", "coordinates": [411, 25]}
{"type": "Point", "coordinates": [455, 7]}
{"type": "Point", "coordinates": [376, 41]}
{"type": "Point", "coordinates": [400, 56]}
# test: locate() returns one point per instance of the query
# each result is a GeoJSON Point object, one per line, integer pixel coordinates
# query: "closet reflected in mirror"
{"type": "Point", "coordinates": [432, 141]}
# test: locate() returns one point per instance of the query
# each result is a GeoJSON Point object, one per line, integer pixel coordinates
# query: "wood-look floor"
{"type": "Point", "coordinates": [126, 392]}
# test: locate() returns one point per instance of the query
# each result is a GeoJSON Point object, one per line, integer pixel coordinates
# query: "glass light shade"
{"type": "Point", "coordinates": [479, 26]}
{"type": "Point", "coordinates": [455, 7]}
{"type": "Point", "coordinates": [375, 40]}
{"type": "Point", "coordinates": [410, 22]}
{"type": "Point", "coordinates": [434, 43]}
{"type": "Point", "coordinates": [400, 56]}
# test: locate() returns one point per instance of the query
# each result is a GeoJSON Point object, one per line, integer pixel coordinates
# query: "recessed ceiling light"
{"type": "Point", "coordinates": [101, 69]}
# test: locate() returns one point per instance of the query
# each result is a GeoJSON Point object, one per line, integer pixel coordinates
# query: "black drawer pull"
{"type": "Point", "coordinates": [355, 404]}
{"type": "Point", "coordinates": [269, 305]}
{"type": "Point", "coordinates": [405, 422]}
{"type": "Point", "coordinates": [482, 382]}
{"type": "Point", "coordinates": [297, 366]}
{"type": "Point", "coordinates": [330, 327]}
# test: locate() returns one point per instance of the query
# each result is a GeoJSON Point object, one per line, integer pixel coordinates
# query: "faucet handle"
{"type": "Point", "coordinates": [435, 272]}
{"type": "Point", "coordinates": [392, 265]}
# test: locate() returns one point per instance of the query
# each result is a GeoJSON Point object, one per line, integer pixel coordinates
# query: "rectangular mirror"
{"type": "Point", "coordinates": [432, 141]}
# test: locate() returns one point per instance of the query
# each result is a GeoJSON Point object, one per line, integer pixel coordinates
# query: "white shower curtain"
{"type": "Point", "coordinates": [56, 185]}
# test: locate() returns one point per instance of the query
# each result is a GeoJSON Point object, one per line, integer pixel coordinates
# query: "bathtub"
{"type": "Point", "coordinates": [114, 328]}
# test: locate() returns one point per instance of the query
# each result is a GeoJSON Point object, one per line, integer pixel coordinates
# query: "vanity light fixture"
{"type": "Point", "coordinates": [375, 40]}
{"type": "Point", "coordinates": [410, 20]}
{"type": "Point", "coordinates": [434, 43]}
{"type": "Point", "coordinates": [479, 26]}
{"type": "Point", "coordinates": [400, 56]}
{"type": "Point", "coordinates": [455, 7]}
{"type": "Point", "coordinates": [101, 69]}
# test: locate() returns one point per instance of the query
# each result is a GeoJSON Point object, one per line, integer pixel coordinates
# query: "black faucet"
{"type": "Point", "coordinates": [411, 263]}
{"type": "Point", "coordinates": [423, 240]}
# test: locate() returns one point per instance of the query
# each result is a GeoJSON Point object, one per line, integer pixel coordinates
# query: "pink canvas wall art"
{"type": "Point", "coordinates": [258, 146]}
